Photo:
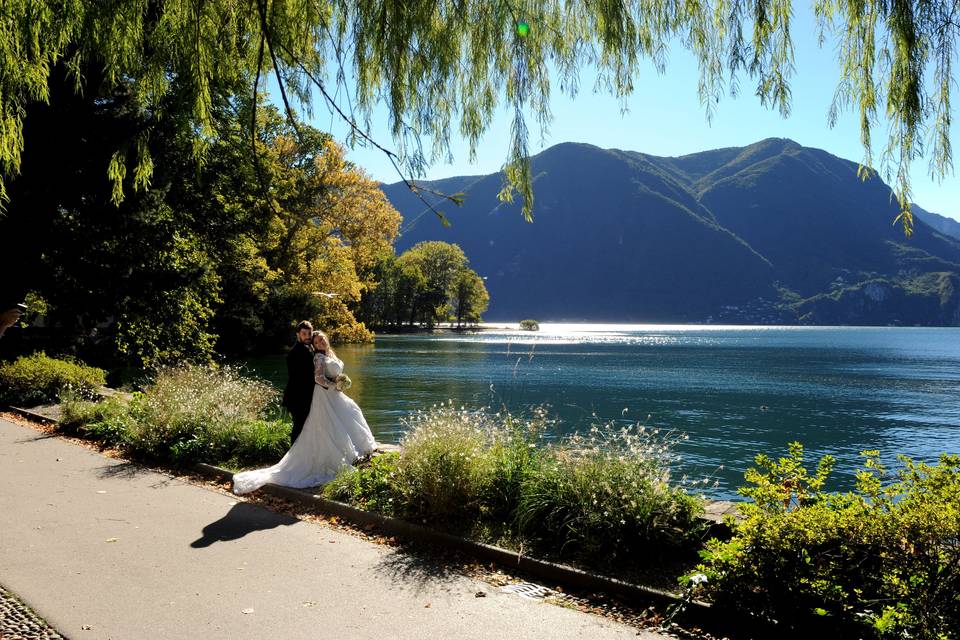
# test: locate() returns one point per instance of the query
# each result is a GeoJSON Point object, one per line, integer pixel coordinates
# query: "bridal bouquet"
{"type": "Point", "coordinates": [343, 382]}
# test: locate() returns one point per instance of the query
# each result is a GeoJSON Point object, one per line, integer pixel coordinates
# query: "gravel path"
{"type": "Point", "coordinates": [18, 622]}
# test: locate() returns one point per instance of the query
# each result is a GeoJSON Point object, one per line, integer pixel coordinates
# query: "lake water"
{"type": "Point", "coordinates": [735, 391]}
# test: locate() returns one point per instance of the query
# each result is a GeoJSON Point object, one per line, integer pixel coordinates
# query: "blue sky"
{"type": "Point", "coordinates": [665, 118]}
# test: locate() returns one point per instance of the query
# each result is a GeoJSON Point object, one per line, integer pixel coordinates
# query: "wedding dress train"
{"type": "Point", "coordinates": [334, 435]}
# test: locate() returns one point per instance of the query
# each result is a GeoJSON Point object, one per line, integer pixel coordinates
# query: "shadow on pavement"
{"type": "Point", "coordinates": [122, 470]}
{"type": "Point", "coordinates": [242, 519]}
{"type": "Point", "coordinates": [416, 567]}
{"type": "Point", "coordinates": [36, 438]}
{"type": "Point", "coordinates": [131, 470]}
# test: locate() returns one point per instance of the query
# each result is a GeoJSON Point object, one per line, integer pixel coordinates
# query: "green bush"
{"type": "Point", "coordinates": [241, 444]}
{"type": "Point", "coordinates": [193, 413]}
{"type": "Point", "coordinates": [514, 459]}
{"type": "Point", "coordinates": [881, 561]}
{"type": "Point", "coordinates": [38, 379]}
{"type": "Point", "coordinates": [109, 421]}
{"type": "Point", "coordinates": [458, 468]}
{"type": "Point", "coordinates": [607, 495]}
{"type": "Point", "coordinates": [530, 325]}
{"type": "Point", "coordinates": [452, 462]}
{"type": "Point", "coordinates": [473, 471]}
{"type": "Point", "coordinates": [368, 487]}
{"type": "Point", "coordinates": [189, 414]}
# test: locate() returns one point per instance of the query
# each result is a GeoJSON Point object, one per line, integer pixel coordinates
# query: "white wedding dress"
{"type": "Point", "coordinates": [334, 436]}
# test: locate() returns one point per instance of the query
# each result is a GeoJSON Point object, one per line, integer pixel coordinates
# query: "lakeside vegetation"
{"type": "Point", "coordinates": [428, 284]}
{"type": "Point", "coordinates": [224, 256]}
{"type": "Point", "coordinates": [187, 414]}
{"type": "Point", "coordinates": [601, 497]}
{"type": "Point", "coordinates": [882, 561]}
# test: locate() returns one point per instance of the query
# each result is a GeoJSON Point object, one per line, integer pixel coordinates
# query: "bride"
{"type": "Point", "coordinates": [334, 435]}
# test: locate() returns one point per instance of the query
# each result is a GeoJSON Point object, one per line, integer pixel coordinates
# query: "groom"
{"type": "Point", "coordinates": [299, 391]}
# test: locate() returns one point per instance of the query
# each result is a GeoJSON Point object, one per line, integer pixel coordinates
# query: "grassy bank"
{"type": "Point", "coordinates": [604, 498]}
{"type": "Point", "coordinates": [187, 414]}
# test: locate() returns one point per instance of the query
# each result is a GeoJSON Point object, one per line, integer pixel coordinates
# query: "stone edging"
{"type": "Point", "coordinates": [33, 415]}
{"type": "Point", "coordinates": [696, 612]}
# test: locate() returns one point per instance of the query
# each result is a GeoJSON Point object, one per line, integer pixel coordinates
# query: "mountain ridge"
{"type": "Point", "coordinates": [769, 232]}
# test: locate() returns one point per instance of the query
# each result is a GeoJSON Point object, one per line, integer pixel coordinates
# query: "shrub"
{"type": "Point", "coordinates": [452, 463]}
{"type": "Point", "coordinates": [457, 467]}
{"type": "Point", "coordinates": [515, 458]}
{"type": "Point", "coordinates": [39, 379]}
{"type": "Point", "coordinates": [241, 444]}
{"type": "Point", "coordinates": [529, 325]}
{"type": "Point", "coordinates": [370, 487]}
{"type": "Point", "coordinates": [608, 494]}
{"type": "Point", "coordinates": [880, 561]}
{"type": "Point", "coordinates": [194, 412]}
{"type": "Point", "coordinates": [471, 470]}
{"type": "Point", "coordinates": [189, 413]}
{"type": "Point", "coordinates": [108, 421]}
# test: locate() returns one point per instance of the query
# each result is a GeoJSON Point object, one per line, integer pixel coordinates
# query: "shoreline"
{"type": "Point", "coordinates": [589, 327]}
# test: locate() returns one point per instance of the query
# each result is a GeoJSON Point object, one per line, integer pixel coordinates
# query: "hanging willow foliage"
{"type": "Point", "coordinates": [438, 64]}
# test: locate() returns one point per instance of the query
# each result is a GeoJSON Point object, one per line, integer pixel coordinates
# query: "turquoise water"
{"type": "Point", "coordinates": [735, 391]}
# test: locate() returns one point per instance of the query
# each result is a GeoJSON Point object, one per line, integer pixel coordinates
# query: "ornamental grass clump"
{"type": "Point", "coordinates": [603, 495]}
{"type": "Point", "coordinates": [463, 464]}
{"type": "Point", "coordinates": [882, 561]}
{"type": "Point", "coordinates": [191, 413]}
{"type": "Point", "coordinates": [607, 494]}
{"type": "Point", "coordinates": [371, 487]}
{"type": "Point", "coordinates": [459, 468]}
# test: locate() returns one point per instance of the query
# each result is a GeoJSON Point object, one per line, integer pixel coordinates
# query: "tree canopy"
{"type": "Point", "coordinates": [429, 283]}
{"type": "Point", "coordinates": [222, 254]}
{"type": "Point", "coordinates": [438, 64]}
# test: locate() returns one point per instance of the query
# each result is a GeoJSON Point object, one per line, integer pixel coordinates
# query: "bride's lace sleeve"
{"type": "Point", "coordinates": [319, 360]}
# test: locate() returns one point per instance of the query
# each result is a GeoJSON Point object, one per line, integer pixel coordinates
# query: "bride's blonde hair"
{"type": "Point", "coordinates": [330, 352]}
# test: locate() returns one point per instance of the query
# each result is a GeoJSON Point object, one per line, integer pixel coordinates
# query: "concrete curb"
{"type": "Point", "coordinates": [32, 415]}
{"type": "Point", "coordinates": [698, 613]}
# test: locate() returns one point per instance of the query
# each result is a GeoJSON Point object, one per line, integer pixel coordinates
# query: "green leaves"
{"type": "Point", "coordinates": [446, 64]}
{"type": "Point", "coordinates": [39, 379]}
{"type": "Point", "coordinates": [429, 283]}
{"type": "Point", "coordinates": [117, 171]}
{"type": "Point", "coordinates": [781, 485]}
{"type": "Point", "coordinates": [883, 560]}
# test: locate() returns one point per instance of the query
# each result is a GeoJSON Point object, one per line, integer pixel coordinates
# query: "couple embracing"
{"type": "Point", "coordinates": [329, 430]}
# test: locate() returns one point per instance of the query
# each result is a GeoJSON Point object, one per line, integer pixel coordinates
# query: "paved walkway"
{"type": "Point", "coordinates": [105, 549]}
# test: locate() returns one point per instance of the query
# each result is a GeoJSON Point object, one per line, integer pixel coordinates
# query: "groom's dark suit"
{"type": "Point", "coordinates": [299, 391]}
